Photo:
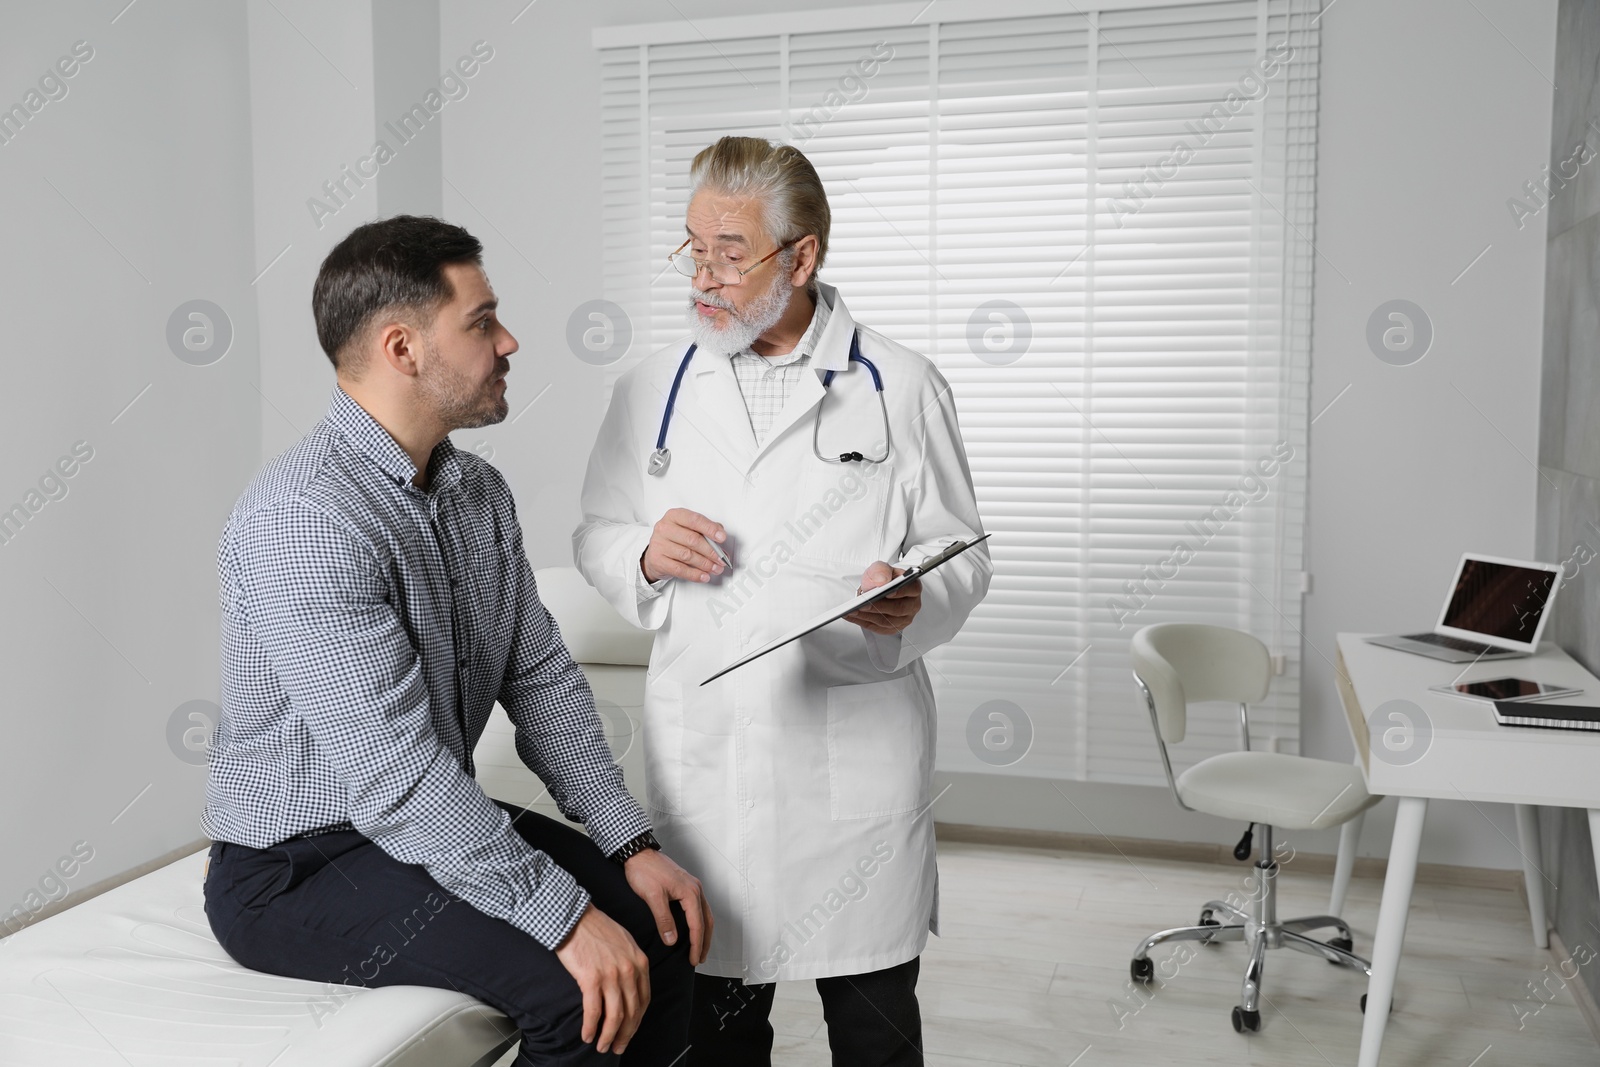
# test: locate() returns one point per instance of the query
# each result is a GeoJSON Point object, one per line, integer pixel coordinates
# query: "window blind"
{"type": "Point", "coordinates": [1098, 225]}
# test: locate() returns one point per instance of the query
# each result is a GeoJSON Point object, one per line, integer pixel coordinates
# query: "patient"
{"type": "Point", "coordinates": [376, 602]}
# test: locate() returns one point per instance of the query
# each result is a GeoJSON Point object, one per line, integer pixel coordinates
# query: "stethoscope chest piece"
{"type": "Point", "coordinates": [660, 460]}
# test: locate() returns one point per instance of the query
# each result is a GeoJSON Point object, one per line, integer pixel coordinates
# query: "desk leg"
{"type": "Point", "coordinates": [1392, 915]}
{"type": "Point", "coordinates": [1345, 864]}
{"type": "Point", "coordinates": [1532, 870]}
{"type": "Point", "coordinates": [1594, 837]}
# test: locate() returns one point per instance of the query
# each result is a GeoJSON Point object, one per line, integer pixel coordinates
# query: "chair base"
{"type": "Point", "coordinates": [1261, 929]}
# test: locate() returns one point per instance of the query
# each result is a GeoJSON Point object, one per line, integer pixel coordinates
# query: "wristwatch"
{"type": "Point", "coordinates": [636, 846]}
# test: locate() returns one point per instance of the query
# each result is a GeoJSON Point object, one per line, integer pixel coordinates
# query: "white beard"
{"type": "Point", "coordinates": [743, 327]}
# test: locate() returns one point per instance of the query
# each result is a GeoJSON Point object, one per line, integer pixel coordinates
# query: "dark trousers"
{"type": "Point", "coordinates": [873, 1020]}
{"type": "Point", "coordinates": [337, 908]}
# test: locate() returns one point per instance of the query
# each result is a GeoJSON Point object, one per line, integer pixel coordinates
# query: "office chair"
{"type": "Point", "coordinates": [1177, 664]}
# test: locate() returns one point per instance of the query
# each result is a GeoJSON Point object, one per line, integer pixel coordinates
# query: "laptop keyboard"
{"type": "Point", "coordinates": [1456, 643]}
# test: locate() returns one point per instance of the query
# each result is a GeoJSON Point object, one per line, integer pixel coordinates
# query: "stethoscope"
{"type": "Point", "coordinates": [661, 458]}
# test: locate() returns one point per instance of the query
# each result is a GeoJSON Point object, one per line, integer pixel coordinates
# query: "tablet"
{"type": "Point", "coordinates": [1507, 689]}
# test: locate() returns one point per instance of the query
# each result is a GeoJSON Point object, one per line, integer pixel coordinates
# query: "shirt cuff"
{"type": "Point", "coordinates": [616, 826]}
{"type": "Point", "coordinates": [647, 590]}
{"type": "Point", "coordinates": [552, 912]}
{"type": "Point", "coordinates": [883, 650]}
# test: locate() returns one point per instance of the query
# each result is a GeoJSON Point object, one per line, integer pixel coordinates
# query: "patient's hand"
{"type": "Point", "coordinates": [659, 882]}
{"type": "Point", "coordinates": [613, 975]}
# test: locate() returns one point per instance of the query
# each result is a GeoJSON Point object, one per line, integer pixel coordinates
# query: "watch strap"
{"type": "Point", "coordinates": [646, 840]}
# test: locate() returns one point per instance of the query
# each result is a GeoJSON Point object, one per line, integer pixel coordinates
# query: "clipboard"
{"type": "Point", "coordinates": [859, 601]}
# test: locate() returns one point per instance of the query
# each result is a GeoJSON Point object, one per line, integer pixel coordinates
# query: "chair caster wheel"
{"type": "Point", "coordinates": [1246, 1020]}
{"type": "Point", "coordinates": [1344, 943]}
{"type": "Point", "coordinates": [1364, 1005]}
{"type": "Point", "coordinates": [1207, 919]}
{"type": "Point", "coordinates": [1143, 970]}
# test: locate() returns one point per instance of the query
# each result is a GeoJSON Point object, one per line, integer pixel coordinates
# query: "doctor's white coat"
{"type": "Point", "coordinates": [797, 788]}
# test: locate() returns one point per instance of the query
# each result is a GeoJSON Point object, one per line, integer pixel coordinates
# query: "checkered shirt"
{"type": "Point", "coordinates": [766, 382]}
{"type": "Point", "coordinates": [368, 627]}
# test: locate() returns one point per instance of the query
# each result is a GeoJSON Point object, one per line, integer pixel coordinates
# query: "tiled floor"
{"type": "Point", "coordinates": [1032, 970]}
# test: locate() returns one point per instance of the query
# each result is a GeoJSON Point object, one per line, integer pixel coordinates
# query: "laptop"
{"type": "Point", "coordinates": [1497, 609]}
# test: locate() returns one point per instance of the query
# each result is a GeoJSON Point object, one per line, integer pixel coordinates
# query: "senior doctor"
{"type": "Point", "coordinates": [797, 787]}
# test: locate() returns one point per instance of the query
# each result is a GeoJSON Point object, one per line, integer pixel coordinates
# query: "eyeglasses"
{"type": "Point", "coordinates": [722, 272]}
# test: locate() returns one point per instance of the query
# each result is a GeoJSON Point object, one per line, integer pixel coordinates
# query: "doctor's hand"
{"type": "Point", "coordinates": [894, 612]}
{"type": "Point", "coordinates": [613, 975]}
{"type": "Point", "coordinates": [659, 882]}
{"type": "Point", "coordinates": [678, 548]}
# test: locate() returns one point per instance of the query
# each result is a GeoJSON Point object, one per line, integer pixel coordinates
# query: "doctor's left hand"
{"type": "Point", "coordinates": [894, 612]}
{"type": "Point", "coordinates": [659, 882]}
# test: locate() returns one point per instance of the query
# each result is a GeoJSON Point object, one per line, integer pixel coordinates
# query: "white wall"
{"type": "Point", "coordinates": [311, 113]}
{"type": "Point", "coordinates": [189, 146]}
{"type": "Point", "coordinates": [1430, 120]}
{"type": "Point", "coordinates": [122, 200]}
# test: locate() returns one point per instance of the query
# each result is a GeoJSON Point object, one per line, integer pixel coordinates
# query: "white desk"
{"type": "Point", "coordinates": [1467, 757]}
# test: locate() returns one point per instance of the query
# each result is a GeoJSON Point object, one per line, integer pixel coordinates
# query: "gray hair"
{"type": "Point", "coordinates": [793, 201]}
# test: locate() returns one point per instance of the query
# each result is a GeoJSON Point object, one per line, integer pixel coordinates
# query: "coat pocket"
{"type": "Point", "coordinates": [837, 513]}
{"type": "Point", "coordinates": [880, 748]}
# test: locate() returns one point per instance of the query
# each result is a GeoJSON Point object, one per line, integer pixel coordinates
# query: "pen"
{"type": "Point", "coordinates": [726, 562]}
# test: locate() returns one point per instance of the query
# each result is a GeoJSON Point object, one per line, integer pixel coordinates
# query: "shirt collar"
{"type": "Point", "coordinates": [370, 439]}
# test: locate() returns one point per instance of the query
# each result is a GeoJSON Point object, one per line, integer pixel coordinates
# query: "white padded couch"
{"type": "Point", "coordinates": [134, 978]}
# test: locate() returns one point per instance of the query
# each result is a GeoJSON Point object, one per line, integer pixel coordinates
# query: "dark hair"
{"type": "Point", "coordinates": [391, 264]}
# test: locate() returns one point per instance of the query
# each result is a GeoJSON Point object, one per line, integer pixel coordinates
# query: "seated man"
{"type": "Point", "coordinates": [376, 602]}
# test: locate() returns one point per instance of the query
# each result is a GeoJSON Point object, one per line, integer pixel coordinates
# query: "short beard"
{"type": "Point", "coordinates": [744, 327]}
{"type": "Point", "coordinates": [456, 400]}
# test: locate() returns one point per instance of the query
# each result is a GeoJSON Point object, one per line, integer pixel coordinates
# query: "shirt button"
{"type": "Point", "coordinates": [750, 803]}
{"type": "Point", "coordinates": [454, 582]}
{"type": "Point", "coordinates": [463, 663]}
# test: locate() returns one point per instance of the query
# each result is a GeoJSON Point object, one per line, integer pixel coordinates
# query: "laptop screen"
{"type": "Point", "coordinates": [1499, 599]}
